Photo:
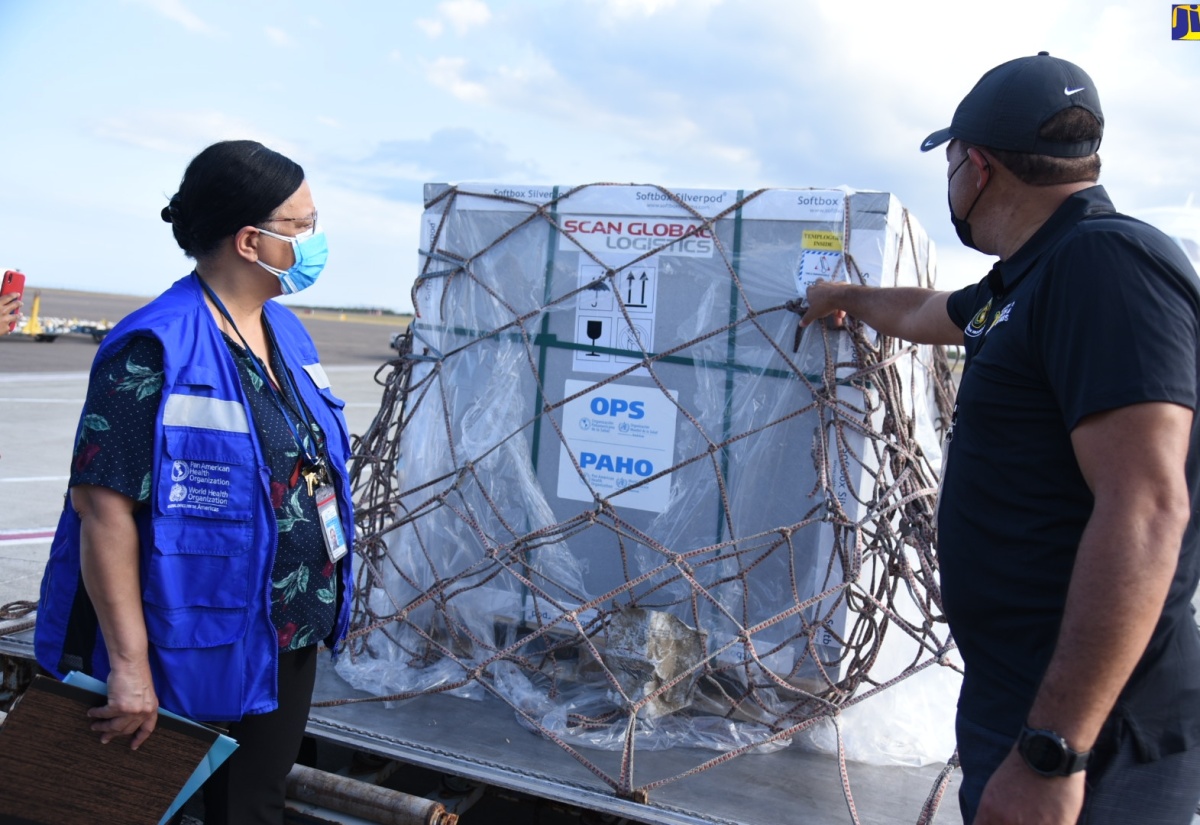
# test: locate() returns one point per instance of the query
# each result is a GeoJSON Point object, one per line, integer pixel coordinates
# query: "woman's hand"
{"type": "Point", "coordinates": [109, 561]}
{"type": "Point", "coordinates": [132, 708]}
{"type": "Point", "coordinates": [10, 310]}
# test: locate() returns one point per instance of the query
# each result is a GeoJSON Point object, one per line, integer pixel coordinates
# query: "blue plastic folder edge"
{"type": "Point", "coordinates": [212, 760]}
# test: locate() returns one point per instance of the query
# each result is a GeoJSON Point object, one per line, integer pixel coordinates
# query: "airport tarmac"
{"type": "Point", "coordinates": [42, 388]}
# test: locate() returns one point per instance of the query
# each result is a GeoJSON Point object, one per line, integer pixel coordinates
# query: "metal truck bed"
{"type": "Point", "coordinates": [483, 742]}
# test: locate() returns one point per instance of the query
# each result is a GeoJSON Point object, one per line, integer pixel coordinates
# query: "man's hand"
{"type": "Point", "coordinates": [822, 298]}
{"type": "Point", "coordinates": [132, 708]}
{"type": "Point", "coordinates": [912, 313]}
{"type": "Point", "coordinates": [1015, 795]}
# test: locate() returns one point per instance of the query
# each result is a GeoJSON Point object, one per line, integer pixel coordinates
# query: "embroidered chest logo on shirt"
{"type": "Point", "coordinates": [1001, 316]}
{"type": "Point", "coordinates": [979, 322]}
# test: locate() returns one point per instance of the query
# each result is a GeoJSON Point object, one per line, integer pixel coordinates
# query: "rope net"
{"type": "Point", "coordinates": [612, 485]}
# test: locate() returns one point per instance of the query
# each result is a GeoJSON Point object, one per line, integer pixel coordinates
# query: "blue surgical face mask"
{"type": "Point", "coordinates": [310, 251]}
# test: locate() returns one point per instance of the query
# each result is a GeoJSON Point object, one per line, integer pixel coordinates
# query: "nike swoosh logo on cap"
{"type": "Point", "coordinates": [1067, 90]}
{"type": "Point", "coordinates": [928, 144]}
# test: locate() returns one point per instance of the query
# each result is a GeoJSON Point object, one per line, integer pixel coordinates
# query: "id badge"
{"type": "Point", "coordinates": [331, 522]}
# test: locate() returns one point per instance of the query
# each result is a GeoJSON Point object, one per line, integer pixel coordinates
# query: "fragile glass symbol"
{"type": "Point", "coordinates": [594, 330]}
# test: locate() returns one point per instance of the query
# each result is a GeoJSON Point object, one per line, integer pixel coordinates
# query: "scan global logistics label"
{"type": "Point", "coordinates": [620, 435]}
{"type": "Point", "coordinates": [669, 236]}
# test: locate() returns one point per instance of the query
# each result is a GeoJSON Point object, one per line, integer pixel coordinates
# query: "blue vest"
{"type": "Point", "coordinates": [208, 533]}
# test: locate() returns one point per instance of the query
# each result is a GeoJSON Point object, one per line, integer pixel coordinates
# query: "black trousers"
{"type": "Point", "coordinates": [249, 789]}
{"type": "Point", "coordinates": [1121, 789]}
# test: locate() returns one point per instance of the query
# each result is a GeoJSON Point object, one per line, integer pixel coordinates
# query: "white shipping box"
{"type": "Point", "coordinates": [611, 409]}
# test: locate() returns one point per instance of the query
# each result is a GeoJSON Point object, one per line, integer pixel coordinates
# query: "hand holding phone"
{"type": "Point", "coordinates": [11, 290]}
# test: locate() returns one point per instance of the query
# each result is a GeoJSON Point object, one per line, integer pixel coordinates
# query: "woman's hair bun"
{"type": "Point", "coordinates": [229, 185]}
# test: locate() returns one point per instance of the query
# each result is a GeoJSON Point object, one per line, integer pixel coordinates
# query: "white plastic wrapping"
{"type": "Point", "coordinates": [609, 411]}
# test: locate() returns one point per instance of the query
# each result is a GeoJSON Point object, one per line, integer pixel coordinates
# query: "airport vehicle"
{"type": "Point", "coordinates": [47, 329]}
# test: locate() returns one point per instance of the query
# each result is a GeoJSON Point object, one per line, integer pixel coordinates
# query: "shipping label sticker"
{"type": "Point", "coordinates": [619, 435]}
{"type": "Point", "coordinates": [608, 236]}
{"type": "Point", "coordinates": [820, 239]}
{"type": "Point", "coordinates": [600, 316]}
{"type": "Point", "coordinates": [817, 265]}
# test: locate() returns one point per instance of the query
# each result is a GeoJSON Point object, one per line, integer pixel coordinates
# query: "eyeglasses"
{"type": "Point", "coordinates": [310, 219]}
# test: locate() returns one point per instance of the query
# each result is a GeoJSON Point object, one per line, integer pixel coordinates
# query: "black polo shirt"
{"type": "Point", "coordinates": [1096, 311]}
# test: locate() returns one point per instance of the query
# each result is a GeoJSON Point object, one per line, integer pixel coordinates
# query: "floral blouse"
{"type": "Point", "coordinates": [115, 449]}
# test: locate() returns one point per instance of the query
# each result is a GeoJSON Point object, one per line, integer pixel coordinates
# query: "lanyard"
{"type": "Point", "coordinates": [280, 398]}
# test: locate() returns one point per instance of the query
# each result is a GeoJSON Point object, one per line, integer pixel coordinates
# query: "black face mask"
{"type": "Point", "coordinates": [961, 227]}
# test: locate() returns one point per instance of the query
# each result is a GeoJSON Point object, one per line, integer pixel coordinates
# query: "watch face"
{"type": "Point", "coordinates": [1043, 753]}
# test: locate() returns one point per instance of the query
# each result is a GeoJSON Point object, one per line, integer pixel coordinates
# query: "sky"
{"type": "Point", "coordinates": [104, 102]}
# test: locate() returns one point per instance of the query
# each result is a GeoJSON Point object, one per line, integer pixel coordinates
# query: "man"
{"type": "Point", "coordinates": [1068, 542]}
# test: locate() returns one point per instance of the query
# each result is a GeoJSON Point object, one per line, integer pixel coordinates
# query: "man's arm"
{"type": "Point", "coordinates": [109, 561]}
{"type": "Point", "coordinates": [912, 313]}
{"type": "Point", "coordinates": [1133, 460]}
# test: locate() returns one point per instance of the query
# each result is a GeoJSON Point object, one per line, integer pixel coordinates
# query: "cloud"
{"type": "Point", "coordinates": [184, 133]}
{"type": "Point", "coordinates": [397, 169]}
{"type": "Point", "coordinates": [613, 87]}
{"type": "Point", "coordinates": [373, 241]}
{"type": "Point", "coordinates": [815, 93]}
{"type": "Point", "coordinates": [461, 15]}
{"type": "Point", "coordinates": [176, 11]}
{"type": "Point", "coordinates": [431, 27]}
{"type": "Point", "coordinates": [624, 9]}
{"type": "Point", "coordinates": [464, 15]}
{"type": "Point", "coordinates": [448, 73]}
{"type": "Point", "coordinates": [278, 36]}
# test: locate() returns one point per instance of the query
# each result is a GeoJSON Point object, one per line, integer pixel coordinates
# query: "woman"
{"type": "Point", "coordinates": [203, 553]}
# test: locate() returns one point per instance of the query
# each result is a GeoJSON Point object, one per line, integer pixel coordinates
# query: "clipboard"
{"type": "Point", "coordinates": [53, 769]}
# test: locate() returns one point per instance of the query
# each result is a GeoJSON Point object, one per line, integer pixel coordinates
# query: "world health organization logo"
{"type": "Point", "coordinates": [1185, 22]}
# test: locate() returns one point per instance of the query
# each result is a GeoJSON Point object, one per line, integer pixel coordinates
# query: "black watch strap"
{"type": "Point", "coordinates": [1048, 753]}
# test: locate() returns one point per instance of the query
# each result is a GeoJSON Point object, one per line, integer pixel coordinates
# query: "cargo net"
{"type": "Point", "coordinates": [470, 583]}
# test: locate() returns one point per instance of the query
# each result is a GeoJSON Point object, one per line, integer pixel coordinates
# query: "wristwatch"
{"type": "Point", "coordinates": [1047, 753]}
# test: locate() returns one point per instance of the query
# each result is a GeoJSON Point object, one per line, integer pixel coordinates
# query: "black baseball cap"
{"type": "Point", "coordinates": [1011, 102]}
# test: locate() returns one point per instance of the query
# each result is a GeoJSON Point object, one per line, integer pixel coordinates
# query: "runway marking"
{"type": "Point", "coordinates": [33, 478]}
{"type": "Point", "coordinates": [19, 377]}
{"type": "Point", "coordinates": [44, 400]}
{"type": "Point", "coordinates": [26, 536]}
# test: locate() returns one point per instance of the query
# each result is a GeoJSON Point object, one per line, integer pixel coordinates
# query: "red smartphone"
{"type": "Point", "coordinates": [14, 282]}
